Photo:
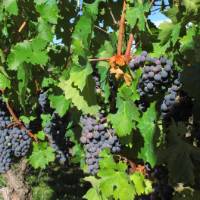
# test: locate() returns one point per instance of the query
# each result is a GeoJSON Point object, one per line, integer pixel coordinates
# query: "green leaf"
{"type": "Point", "coordinates": [19, 53]}
{"type": "Point", "coordinates": [41, 156]}
{"type": "Point", "coordinates": [42, 191]}
{"type": "Point", "coordinates": [169, 32]}
{"type": "Point", "coordinates": [83, 29]}
{"type": "Point", "coordinates": [4, 82]}
{"type": "Point", "coordinates": [137, 15]}
{"type": "Point", "coordinates": [124, 120]}
{"type": "Point", "coordinates": [45, 30]}
{"type": "Point", "coordinates": [11, 6]}
{"type": "Point", "coordinates": [73, 94]}
{"type": "Point", "coordinates": [106, 50]}
{"type": "Point", "coordinates": [187, 41]}
{"type": "Point", "coordinates": [41, 135]}
{"type": "Point", "coordinates": [166, 29]}
{"type": "Point", "coordinates": [39, 57]}
{"type": "Point", "coordinates": [92, 194]}
{"type": "Point", "coordinates": [172, 13]}
{"type": "Point", "coordinates": [114, 180]}
{"type": "Point", "coordinates": [142, 186]}
{"type": "Point", "coordinates": [23, 76]}
{"type": "Point", "coordinates": [146, 126]}
{"type": "Point", "coordinates": [92, 8]}
{"type": "Point", "coordinates": [38, 43]}
{"type": "Point", "coordinates": [192, 6]}
{"type": "Point", "coordinates": [60, 104]}
{"type": "Point", "coordinates": [159, 50]}
{"type": "Point", "coordinates": [79, 76]}
{"type": "Point", "coordinates": [48, 10]}
{"type": "Point", "coordinates": [175, 33]}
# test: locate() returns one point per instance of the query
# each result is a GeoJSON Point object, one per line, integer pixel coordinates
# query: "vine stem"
{"type": "Point", "coordinates": [15, 118]}
{"type": "Point", "coordinates": [128, 48]}
{"type": "Point", "coordinates": [22, 26]}
{"type": "Point", "coordinates": [98, 59]}
{"type": "Point", "coordinates": [121, 30]}
{"type": "Point", "coordinates": [112, 15]}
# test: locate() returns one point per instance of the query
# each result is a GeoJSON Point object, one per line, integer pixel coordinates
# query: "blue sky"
{"type": "Point", "coordinates": [158, 17]}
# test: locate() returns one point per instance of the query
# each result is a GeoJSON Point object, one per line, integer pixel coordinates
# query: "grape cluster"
{"type": "Point", "coordinates": [43, 101]}
{"type": "Point", "coordinates": [170, 99]}
{"type": "Point", "coordinates": [157, 74]}
{"type": "Point", "coordinates": [55, 131]}
{"type": "Point", "coordinates": [162, 189]}
{"type": "Point", "coordinates": [14, 142]}
{"type": "Point", "coordinates": [97, 84]}
{"type": "Point", "coordinates": [96, 135]}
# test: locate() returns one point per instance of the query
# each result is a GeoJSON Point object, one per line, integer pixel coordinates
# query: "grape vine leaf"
{"type": "Point", "coordinates": [178, 152]}
{"type": "Point", "coordinates": [4, 82]}
{"type": "Point", "coordinates": [29, 52]}
{"type": "Point", "coordinates": [42, 191]}
{"type": "Point", "coordinates": [125, 119]}
{"type": "Point", "coordinates": [79, 76]}
{"type": "Point", "coordinates": [142, 185]}
{"type": "Point", "coordinates": [45, 30]}
{"type": "Point", "coordinates": [93, 194]}
{"type": "Point", "coordinates": [146, 126]}
{"type": "Point", "coordinates": [165, 32]}
{"type": "Point", "coordinates": [42, 155]}
{"type": "Point", "coordinates": [169, 31]}
{"type": "Point", "coordinates": [172, 13]}
{"type": "Point", "coordinates": [187, 41]}
{"type": "Point", "coordinates": [175, 33]}
{"type": "Point", "coordinates": [19, 53]}
{"type": "Point", "coordinates": [59, 103]}
{"type": "Point", "coordinates": [48, 10]}
{"type": "Point", "coordinates": [39, 57]}
{"type": "Point", "coordinates": [106, 50]}
{"type": "Point", "coordinates": [23, 76]}
{"type": "Point", "coordinates": [74, 94]}
{"type": "Point", "coordinates": [137, 15]}
{"type": "Point", "coordinates": [192, 6]}
{"type": "Point", "coordinates": [11, 6]}
{"type": "Point", "coordinates": [83, 29]}
{"type": "Point", "coordinates": [159, 50]}
{"type": "Point", "coordinates": [130, 92]}
{"type": "Point", "coordinates": [114, 179]}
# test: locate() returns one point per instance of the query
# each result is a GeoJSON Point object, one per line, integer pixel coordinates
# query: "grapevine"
{"type": "Point", "coordinates": [99, 100]}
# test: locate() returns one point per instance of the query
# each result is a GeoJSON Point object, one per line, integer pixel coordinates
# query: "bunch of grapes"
{"type": "Point", "coordinates": [156, 76]}
{"type": "Point", "coordinates": [97, 84]}
{"type": "Point", "coordinates": [55, 131]}
{"type": "Point", "coordinates": [170, 99]}
{"type": "Point", "coordinates": [14, 142]}
{"type": "Point", "coordinates": [162, 189]}
{"type": "Point", "coordinates": [43, 101]}
{"type": "Point", "coordinates": [96, 135]}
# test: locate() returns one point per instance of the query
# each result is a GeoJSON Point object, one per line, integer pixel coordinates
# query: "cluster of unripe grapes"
{"type": "Point", "coordinates": [96, 136]}
{"type": "Point", "coordinates": [14, 142]}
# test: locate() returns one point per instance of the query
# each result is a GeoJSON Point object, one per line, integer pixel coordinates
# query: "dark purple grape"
{"type": "Point", "coordinates": [101, 137]}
